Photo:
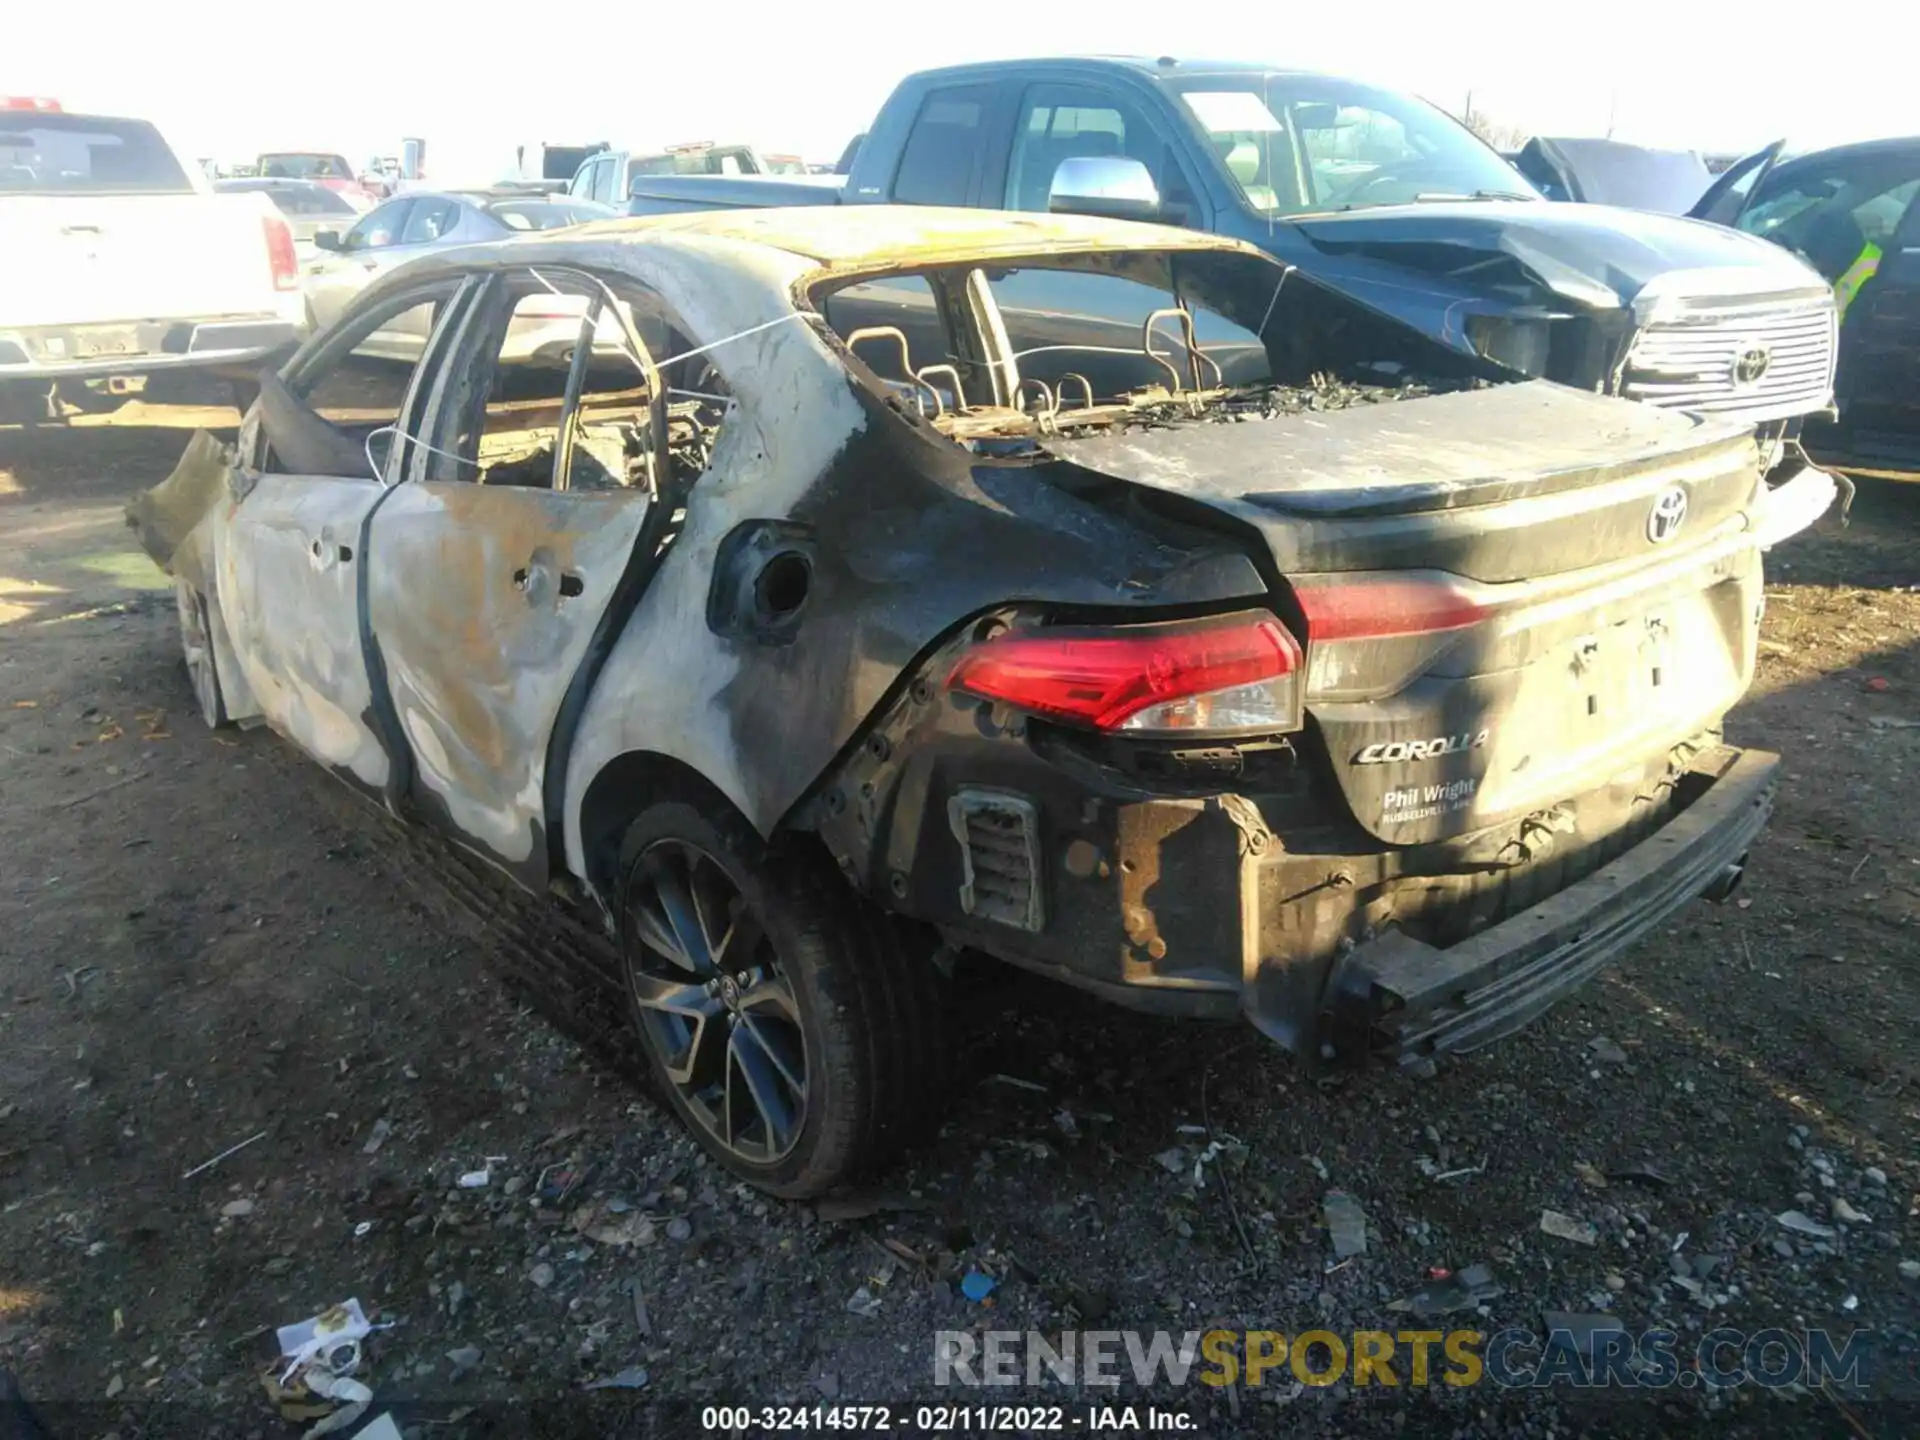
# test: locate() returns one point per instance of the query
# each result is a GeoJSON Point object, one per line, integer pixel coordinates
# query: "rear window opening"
{"type": "Point", "coordinates": [86, 155]}
{"type": "Point", "coordinates": [1079, 342]}
{"type": "Point", "coordinates": [308, 200]}
{"type": "Point", "coordinates": [545, 214]}
{"type": "Point", "coordinates": [302, 165]}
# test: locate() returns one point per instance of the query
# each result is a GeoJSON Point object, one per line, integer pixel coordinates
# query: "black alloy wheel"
{"type": "Point", "coordinates": [714, 1004]}
{"type": "Point", "coordinates": [783, 1017]}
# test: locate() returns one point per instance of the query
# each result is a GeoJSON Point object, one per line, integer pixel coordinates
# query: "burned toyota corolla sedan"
{"type": "Point", "coordinates": [864, 588]}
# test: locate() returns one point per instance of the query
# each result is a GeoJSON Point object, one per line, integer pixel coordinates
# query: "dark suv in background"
{"type": "Point", "coordinates": [1853, 213]}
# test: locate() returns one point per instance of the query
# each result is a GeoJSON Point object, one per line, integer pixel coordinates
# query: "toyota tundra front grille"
{"type": "Point", "coordinates": [1758, 359]}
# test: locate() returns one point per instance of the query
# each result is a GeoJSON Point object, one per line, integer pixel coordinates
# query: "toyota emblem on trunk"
{"type": "Point", "coordinates": [1669, 513]}
{"type": "Point", "coordinates": [1750, 363]}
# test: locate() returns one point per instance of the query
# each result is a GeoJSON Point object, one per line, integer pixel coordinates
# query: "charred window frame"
{"type": "Point", "coordinates": [928, 361]}
{"type": "Point", "coordinates": [459, 396]}
{"type": "Point", "coordinates": [1104, 331]}
{"type": "Point", "coordinates": [1251, 301]}
{"type": "Point", "coordinates": [288, 421]}
{"type": "Point", "coordinates": [1240, 291]}
{"type": "Point", "coordinates": [692, 390]}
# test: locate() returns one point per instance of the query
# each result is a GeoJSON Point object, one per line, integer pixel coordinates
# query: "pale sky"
{"type": "Point", "coordinates": [230, 79]}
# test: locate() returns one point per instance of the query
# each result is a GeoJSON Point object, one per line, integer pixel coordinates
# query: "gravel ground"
{"type": "Point", "coordinates": [204, 941]}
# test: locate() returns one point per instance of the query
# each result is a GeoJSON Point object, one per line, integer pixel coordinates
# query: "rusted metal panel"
{"type": "Point", "coordinates": [482, 600]}
{"type": "Point", "coordinates": [287, 563]}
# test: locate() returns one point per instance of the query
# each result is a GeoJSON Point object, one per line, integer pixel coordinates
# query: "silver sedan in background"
{"type": "Point", "coordinates": [417, 222]}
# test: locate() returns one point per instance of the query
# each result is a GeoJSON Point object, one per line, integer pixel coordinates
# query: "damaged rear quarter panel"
{"type": "Point", "coordinates": [906, 534]}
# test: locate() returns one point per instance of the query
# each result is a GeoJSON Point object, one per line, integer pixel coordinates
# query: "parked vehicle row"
{"type": "Point", "coordinates": [1379, 195]}
{"type": "Point", "coordinates": [609, 176]}
{"type": "Point", "coordinates": [317, 168]}
{"type": "Point", "coordinates": [417, 222]}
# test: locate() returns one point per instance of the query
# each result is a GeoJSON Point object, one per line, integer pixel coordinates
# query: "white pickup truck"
{"type": "Point", "coordinates": [119, 263]}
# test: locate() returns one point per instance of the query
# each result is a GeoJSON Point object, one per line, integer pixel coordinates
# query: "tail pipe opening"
{"type": "Point", "coordinates": [1720, 889]}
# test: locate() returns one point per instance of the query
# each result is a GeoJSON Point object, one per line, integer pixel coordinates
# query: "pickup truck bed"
{"type": "Point", "coordinates": [124, 263]}
{"type": "Point", "coordinates": [671, 194]}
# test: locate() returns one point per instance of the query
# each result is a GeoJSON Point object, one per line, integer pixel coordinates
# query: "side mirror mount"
{"type": "Point", "coordinates": [1106, 185]}
{"type": "Point", "coordinates": [327, 240]}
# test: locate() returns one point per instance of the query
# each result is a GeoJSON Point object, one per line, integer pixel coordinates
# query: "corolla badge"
{"type": "Point", "coordinates": [1395, 752]}
{"type": "Point", "coordinates": [1750, 364]}
{"type": "Point", "coordinates": [1669, 513]}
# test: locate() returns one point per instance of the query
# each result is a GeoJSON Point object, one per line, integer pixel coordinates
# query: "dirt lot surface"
{"type": "Point", "coordinates": [206, 943]}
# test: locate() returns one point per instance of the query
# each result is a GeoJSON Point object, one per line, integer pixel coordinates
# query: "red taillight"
{"type": "Point", "coordinates": [1369, 635]}
{"type": "Point", "coordinates": [1372, 607]}
{"type": "Point", "coordinates": [30, 102]}
{"type": "Point", "coordinates": [280, 253]}
{"type": "Point", "coordinates": [1231, 674]}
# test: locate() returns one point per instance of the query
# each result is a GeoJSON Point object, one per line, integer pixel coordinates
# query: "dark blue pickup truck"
{"type": "Point", "coordinates": [1377, 194]}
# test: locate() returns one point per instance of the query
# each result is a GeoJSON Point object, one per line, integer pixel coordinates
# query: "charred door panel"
{"type": "Point", "coordinates": [482, 601]}
{"type": "Point", "coordinates": [289, 558]}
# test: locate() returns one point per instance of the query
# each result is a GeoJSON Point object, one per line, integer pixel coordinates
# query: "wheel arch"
{"type": "Point", "coordinates": [624, 787]}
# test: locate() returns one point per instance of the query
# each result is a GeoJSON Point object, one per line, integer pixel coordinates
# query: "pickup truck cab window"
{"type": "Point", "coordinates": [944, 147]}
{"type": "Point", "coordinates": [606, 179]}
{"type": "Point", "coordinates": [1070, 122]}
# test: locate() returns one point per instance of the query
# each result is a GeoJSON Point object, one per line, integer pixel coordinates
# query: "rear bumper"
{"type": "Point", "coordinates": [56, 352]}
{"type": "Point", "coordinates": [1397, 997]}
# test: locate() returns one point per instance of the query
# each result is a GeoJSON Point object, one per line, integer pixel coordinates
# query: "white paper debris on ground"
{"type": "Point", "coordinates": [381, 1427]}
{"type": "Point", "coordinates": [354, 1398]}
{"type": "Point", "coordinates": [1565, 1227]}
{"type": "Point", "coordinates": [322, 1336]}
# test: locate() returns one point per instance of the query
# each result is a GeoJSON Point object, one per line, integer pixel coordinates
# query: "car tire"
{"type": "Point", "coordinates": [812, 1045]}
{"type": "Point", "coordinates": [196, 648]}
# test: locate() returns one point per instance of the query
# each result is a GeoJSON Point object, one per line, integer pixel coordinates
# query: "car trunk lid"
{"type": "Point", "coordinates": [1508, 595]}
